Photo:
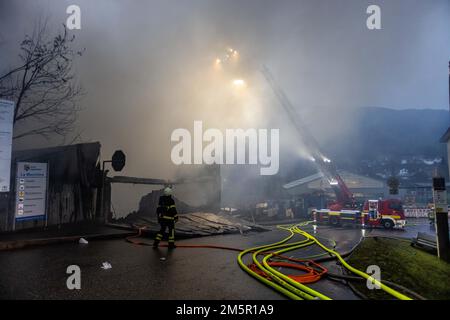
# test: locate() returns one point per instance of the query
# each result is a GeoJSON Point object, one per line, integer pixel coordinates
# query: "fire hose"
{"type": "Point", "coordinates": [312, 271]}
{"type": "Point", "coordinates": [284, 284]}
{"type": "Point", "coordinates": [293, 286]}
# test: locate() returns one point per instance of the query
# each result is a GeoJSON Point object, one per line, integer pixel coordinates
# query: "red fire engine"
{"type": "Point", "coordinates": [387, 213]}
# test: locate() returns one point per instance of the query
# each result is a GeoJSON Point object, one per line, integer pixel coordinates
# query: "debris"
{"type": "Point", "coordinates": [83, 241]}
{"type": "Point", "coordinates": [197, 224]}
{"type": "Point", "coordinates": [106, 266]}
{"type": "Point", "coordinates": [162, 259]}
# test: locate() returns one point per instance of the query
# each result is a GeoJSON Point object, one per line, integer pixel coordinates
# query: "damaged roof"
{"type": "Point", "coordinates": [67, 164]}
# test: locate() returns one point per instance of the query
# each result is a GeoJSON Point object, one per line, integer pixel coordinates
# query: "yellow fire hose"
{"type": "Point", "coordinates": [288, 286]}
{"type": "Point", "coordinates": [281, 283]}
{"type": "Point", "coordinates": [382, 286]}
{"type": "Point", "coordinates": [286, 278]}
{"type": "Point", "coordinates": [277, 287]}
{"type": "Point", "coordinates": [299, 289]}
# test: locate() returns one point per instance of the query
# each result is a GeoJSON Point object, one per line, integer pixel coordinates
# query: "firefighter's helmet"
{"type": "Point", "coordinates": [167, 191]}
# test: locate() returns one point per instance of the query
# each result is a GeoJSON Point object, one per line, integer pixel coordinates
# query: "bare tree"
{"type": "Point", "coordinates": [43, 85]}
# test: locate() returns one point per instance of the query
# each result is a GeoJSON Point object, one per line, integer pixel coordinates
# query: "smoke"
{"type": "Point", "coordinates": [149, 67]}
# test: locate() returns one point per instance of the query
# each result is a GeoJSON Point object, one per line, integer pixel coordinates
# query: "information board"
{"type": "Point", "coordinates": [31, 190]}
{"type": "Point", "coordinates": [6, 134]}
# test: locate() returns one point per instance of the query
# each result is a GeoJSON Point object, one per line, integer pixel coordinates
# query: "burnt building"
{"type": "Point", "coordinates": [72, 188]}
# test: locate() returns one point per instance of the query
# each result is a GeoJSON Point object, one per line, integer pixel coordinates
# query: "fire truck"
{"type": "Point", "coordinates": [383, 213]}
{"type": "Point", "coordinates": [386, 213]}
{"type": "Point", "coordinates": [375, 213]}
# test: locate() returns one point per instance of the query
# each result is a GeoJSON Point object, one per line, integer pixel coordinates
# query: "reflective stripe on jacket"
{"type": "Point", "coordinates": [166, 208]}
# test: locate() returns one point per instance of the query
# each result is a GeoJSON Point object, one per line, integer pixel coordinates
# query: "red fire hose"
{"type": "Point", "coordinates": [312, 270]}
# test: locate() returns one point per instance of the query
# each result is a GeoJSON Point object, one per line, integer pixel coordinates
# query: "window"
{"type": "Point", "coordinates": [395, 206]}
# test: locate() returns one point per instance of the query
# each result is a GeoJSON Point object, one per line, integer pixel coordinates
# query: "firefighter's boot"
{"type": "Point", "coordinates": [172, 245]}
{"type": "Point", "coordinates": [172, 239]}
{"type": "Point", "coordinates": [157, 240]}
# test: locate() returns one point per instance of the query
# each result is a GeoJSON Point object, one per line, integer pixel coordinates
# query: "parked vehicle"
{"type": "Point", "coordinates": [387, 213]}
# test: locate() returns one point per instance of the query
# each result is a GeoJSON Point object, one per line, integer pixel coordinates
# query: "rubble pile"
{"type": "Point", "coordinates": [196, 224]}
{"type": "Point", "coordinates": [192, 222]}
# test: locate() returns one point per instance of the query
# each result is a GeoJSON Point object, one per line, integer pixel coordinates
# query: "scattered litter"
{"type": "Point", "coordinates": [162, 259]}
{"type": "Point", "coordinates": [83, 241]}
{"type": "Point", "coordinates": [106, 265]}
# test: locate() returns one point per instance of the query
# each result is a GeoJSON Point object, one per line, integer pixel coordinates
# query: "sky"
{"type": "Point", "coordinates": [148, 66]}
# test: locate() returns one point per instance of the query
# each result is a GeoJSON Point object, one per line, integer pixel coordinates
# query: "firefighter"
{"type": "Point", "coordinates": [167, 216]}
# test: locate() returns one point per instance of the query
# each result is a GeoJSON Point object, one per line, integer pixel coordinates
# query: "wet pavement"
{"type": "Point", "coordinates": [139, 273]}
{"type": "Point", "coordinates": [65, 230]}
{"type": "Point", "coordinates": [413, 226]}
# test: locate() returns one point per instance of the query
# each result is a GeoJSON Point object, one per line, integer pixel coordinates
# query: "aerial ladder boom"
{"type": "Point", "coordinates": [344, 197]}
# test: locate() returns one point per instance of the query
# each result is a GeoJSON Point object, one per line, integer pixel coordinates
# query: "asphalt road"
{"type": "Point", "coordinates": [139, 273]}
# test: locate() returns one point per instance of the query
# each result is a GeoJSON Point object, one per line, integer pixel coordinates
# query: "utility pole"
{"type": "Point", "coordinates": [441, 218]}
{"type": "Point", "coordinates": [102, 203]}
{"type": "Point", "coordinates": [117, 162]}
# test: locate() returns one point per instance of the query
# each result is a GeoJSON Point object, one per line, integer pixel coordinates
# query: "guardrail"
{"type": "Point", "coordinates": [416, 212]}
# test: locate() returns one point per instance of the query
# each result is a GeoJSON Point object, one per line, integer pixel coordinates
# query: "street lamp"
{"type": "Point", "coordinates": [225, 59]}
{"type": "Point", "coordinates": [239, 83]}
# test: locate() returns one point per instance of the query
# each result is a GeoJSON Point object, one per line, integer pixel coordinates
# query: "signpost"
{"type": "Point", "coordinates": [117, 161]}
{"type": "Point", "coordinates": [441, 218]}
{"type": "Point", "coordinates": [31, 191]}
{"type": "Point", "coordinates": [6, 134]}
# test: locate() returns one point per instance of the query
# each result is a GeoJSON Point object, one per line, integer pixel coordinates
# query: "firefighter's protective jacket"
{"type": "Point", "coordinates": [166, 209]}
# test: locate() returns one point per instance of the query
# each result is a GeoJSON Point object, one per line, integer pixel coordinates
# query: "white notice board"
{"type": "Point", "coordinates": [31, 190]}
{"type": "Point", "coordinates": [6, 133]}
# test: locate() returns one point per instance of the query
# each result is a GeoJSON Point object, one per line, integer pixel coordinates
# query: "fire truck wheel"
{"type": "Point", "coordinates": [334, 221]}
{"type": "Point", "coordinates": [388, 224]}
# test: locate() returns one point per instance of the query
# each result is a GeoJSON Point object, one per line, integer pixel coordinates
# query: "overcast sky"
{"type": "Point", "coordinates": [147, 68]}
